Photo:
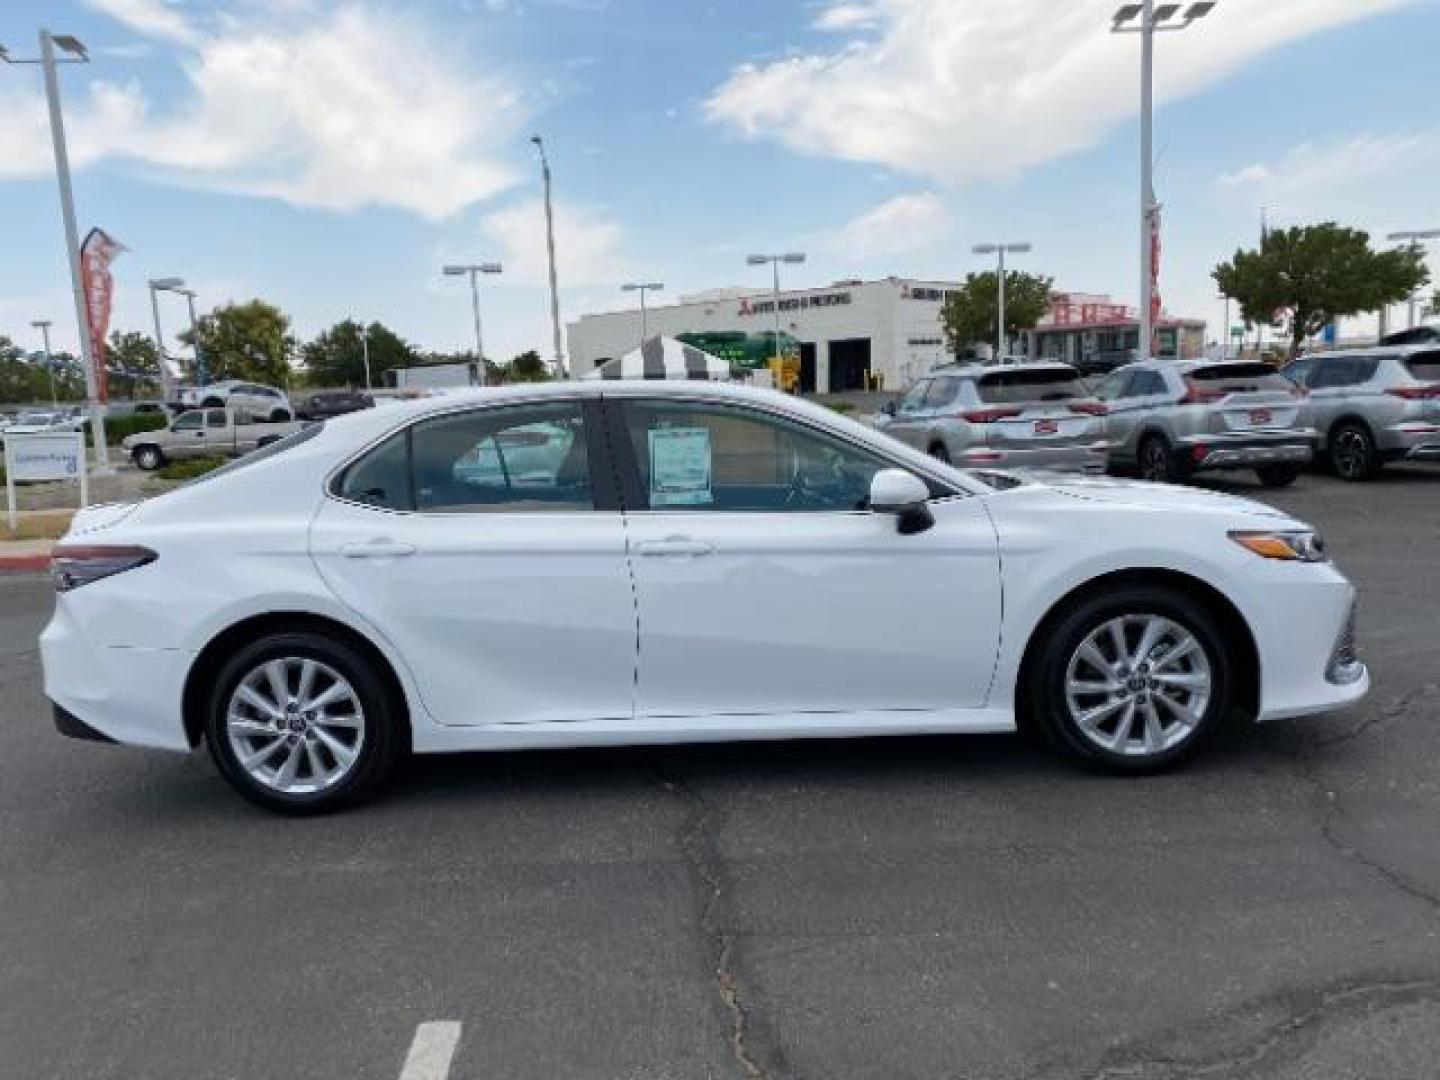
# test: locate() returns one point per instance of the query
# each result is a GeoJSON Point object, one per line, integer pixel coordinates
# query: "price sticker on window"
{"type": "Point", "coordinates": [680, 467]}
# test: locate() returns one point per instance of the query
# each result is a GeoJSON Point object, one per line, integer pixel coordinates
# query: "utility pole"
{"type": "Point", "coordinates": [365, 353]}
{"type": "Point", "coordinates": [43, 325]}
{"type": "Point", "coordinates": [1001, 340]}
{"type": "Point", "coordinates": [473, 270]}
{"type": "Point", "coordinates": [550, 251]}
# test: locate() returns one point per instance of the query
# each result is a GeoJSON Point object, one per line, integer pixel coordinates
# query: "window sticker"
{"type": "Point", "coordinates": [680, 467]}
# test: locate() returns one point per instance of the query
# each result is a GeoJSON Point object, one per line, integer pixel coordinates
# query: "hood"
{"type": "Point", "coordinates": [100, 516]}
{"type": "Point", "coordinates": [1144, 495]}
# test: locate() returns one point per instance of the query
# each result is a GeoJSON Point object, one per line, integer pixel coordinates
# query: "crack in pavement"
{"type": "Point", "coordinates": [1307, 1013]}
{"type": "Point", "coordinates": [1382, 715]}
{"type": "Point", "coordinates": [702, 856]}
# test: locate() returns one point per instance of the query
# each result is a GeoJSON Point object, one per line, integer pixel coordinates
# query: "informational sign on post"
{"type": "Point", "coordinates": [57, 455]}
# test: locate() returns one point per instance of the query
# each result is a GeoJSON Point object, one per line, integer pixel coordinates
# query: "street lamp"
{"type": "Point", "coordinates": [365, 353]}
{"type": "Point", "coordinates": [48, 62]}
{"type": "Point", "coordinates": [43, 325]}
{"type": "Point", "coordinates": [1153, 18]}
{"type": "Point", "coordinates": [1001, 345]}
{"type": "Point", "coordinates": [550, 251]}
{"type": "Point", "coordinates": [472, 269]}
{"type": "Point", "coordinates": [159, 285]}
{"type": "Point", "coordinates": [202, 373]}
{"type": "Point", "coordinates": [790, 258]}
{"type": "Point", "coordinates": [642, 287]}
{"type": "Point", "coordinates": [1416, 237]}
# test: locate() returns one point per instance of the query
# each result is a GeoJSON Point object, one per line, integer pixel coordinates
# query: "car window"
{"type": "Point", "coordinates": [914, 398]}
{"type": "Point", "coordinates": [506, 460]}
{"type": "Point", "coordinates": [1146, 384]}
{"type": "Point", "coordinates": [1112, 386]}
{"type": "Point", "coordinates": [382, 477]}
{"type": "Point", "coordinates": [693, 456]}
{"type": "Point", "coordinates": [1299, 372]}
{"type": "Point", "coordinates": [188, 421]}
{"type": "Point", "coordinates": [1041, 384]}
{"type": "Point", "coordinates": [942, 392]}
{"type": "Point", "coordinates": [1338, 371]}
{"type": "Point", "coordinates": [1240, 378]}
{"type": "Point", "coordinates": [1425, 366]}
{"type": "Point", "coordinates": [214, 418]}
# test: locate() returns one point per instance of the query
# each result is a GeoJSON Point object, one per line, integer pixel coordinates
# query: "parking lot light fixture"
{"type": "Point", "coordinates": [642, 287]}
{"type": "Point", "coordinates": [473, 270]}
{"type": "Point", "coordinates": [790, 258]}
{"type": "Point", "coordinates": [1000, 249]}
{"type": "Point", "coordinates": [1417, 238]}
{"type": "Point", "coordinates": [43, 325]}
{"type": "Point", "coordinates": [159, 285]}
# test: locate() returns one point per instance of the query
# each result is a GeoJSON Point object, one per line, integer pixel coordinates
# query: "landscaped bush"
{"type": "Point", "coordinates": [189, 469]}
{"type": "Point", "coordinates": [117, 427]}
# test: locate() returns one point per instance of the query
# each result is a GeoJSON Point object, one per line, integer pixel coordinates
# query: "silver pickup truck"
{"type": "Point", "coordinates": [204, 433]}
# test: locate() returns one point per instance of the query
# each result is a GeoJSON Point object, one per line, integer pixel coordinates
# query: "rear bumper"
{"type": "Point", "coordinates": [1246, 450]}
{"type": "Point", "coordinates": [1412, 441]}
{"type": "Point", "coordinates": [1084, 457]}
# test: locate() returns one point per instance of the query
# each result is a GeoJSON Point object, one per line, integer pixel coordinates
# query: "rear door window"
{"type": "Point", "coordinates": [942, 393]}
{"type": "Point", "coordinates": [1036, 385]}
{"type": "Point", "coordinates": [914, 398]}
{"type": "Point", "coordinates": [1425, 366]}
{"type": "Point", "coordinates": [215, 418]}
{"type": "Point", "coordinates": [1240, 378]}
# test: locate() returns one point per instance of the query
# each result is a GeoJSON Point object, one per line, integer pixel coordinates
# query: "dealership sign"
{"type": "Point", "coordinates": [51, 455]}
{"type": "Point", "coordinates": [749, 306]}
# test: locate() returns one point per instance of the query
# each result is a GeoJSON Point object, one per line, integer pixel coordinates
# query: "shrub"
{"type": "Point", "coordinates": [189, 469]}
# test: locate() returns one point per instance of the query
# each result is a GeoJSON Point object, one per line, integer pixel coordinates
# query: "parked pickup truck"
{"type": "Point", "coordinates": [205, 433]}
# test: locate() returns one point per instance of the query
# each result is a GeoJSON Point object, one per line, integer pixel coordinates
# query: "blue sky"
{"type": "Point", "coordinates": [330, 156]}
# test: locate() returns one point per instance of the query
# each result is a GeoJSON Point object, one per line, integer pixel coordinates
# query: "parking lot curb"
{"type": "Point", "coordinates": [18, 564]}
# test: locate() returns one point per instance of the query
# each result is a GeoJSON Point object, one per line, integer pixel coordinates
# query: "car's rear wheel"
{"type": "Point", "coordinates": [1156, 461]}
{"type": "Point", "coordinates": [1277, 475]}
{"type": "Point", "coordinates": [1132, 681]}
{"type": "Point", "coordinates": [148, 458]}
{"type": "Point", "coordinates": [301, 724]}
{"type": "Point", "coordinates": [212, 403]}
{"type": "Point", "coordinates": [279, 416]}
{"type": "Point", "coordinates": [1352, 452]}
{"type": "Point", "coordinates": [940, 453]}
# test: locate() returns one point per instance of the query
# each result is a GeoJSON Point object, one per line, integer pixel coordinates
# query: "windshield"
{"type": "Point", "coordinates": [1036, 385]}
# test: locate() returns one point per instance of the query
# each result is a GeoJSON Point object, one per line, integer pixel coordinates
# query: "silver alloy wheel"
{"type": "Point", "coordinates": [1351, 452]}
{"type": "Point", "coordinates": [1155, 462]}
{"type": "Point", "coordinates": [1138, 685]}
{"type": "Point", "coordinates": [295, 725]}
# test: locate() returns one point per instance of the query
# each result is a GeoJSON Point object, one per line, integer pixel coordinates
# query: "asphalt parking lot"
{"type": "Point", "coordinates": [872, 909]}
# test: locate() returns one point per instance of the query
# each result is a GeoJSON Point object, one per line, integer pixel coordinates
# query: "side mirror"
{"type": "Point", "coordinates": [895, 491]}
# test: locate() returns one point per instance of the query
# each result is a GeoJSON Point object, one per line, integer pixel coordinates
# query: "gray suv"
{"type": "Point", "coordinates": [1373, 405]}
{"type": "Point", "coordinates": [1170, 418]}
{"type": "Point", "coordinates": [1002, 416]}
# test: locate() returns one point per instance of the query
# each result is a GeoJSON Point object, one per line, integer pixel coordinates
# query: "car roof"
{"type": "Point", "coordinates": [1400, 351]}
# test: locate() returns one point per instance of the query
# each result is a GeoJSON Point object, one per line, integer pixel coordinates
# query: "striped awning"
{"type": "Point", "coordinates": [663, 358]}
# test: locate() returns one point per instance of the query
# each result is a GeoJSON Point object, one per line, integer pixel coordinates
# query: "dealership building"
{"type": "Point", "coordinates": [854, 334]}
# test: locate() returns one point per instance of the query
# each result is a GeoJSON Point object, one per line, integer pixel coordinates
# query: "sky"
{"type": "Point", "coordinates": [330, 156]}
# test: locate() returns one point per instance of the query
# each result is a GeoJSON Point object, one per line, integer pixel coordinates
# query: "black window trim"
{"type": "Point", "coordinates": [603, 482]}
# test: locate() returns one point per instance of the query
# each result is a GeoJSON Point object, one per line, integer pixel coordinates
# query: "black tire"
{"type": "Point", "coordinates": [1352, 452]}
{"type": "Point", "coordinates": [279, 416]}
{"type": "Point", "coordinates": [266, 441]}
{"type": "Point", "coordinates": [212, 403]}
{"type": "Point", "coordinates": [1048, 709]}
{"type": "Point", "coordinates": [1156, 461]}
{"type": "Point", "coordinates": [381, 744]}
{"type": "Point", "coordinates": [1277, 476]}
{"type": "Point", "coordinates": [147, 457]}
{"type": "Point", "coordinates": [939, 453]}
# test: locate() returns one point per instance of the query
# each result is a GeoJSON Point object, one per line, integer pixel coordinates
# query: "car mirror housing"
{"type": "Point", "coordinates": [895, 491]}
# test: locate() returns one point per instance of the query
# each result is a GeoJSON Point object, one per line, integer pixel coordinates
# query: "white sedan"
{"type": "Point", "coordinates": [607, 563]}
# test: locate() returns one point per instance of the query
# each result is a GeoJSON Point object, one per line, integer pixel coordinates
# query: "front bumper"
{"type": "Point", "coordinates": [1247, 450]}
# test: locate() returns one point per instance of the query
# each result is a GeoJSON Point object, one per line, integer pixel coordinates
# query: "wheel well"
{"type": "Point", "coordinates": [212, 403]}
{"type": "Point", "coordinates": [212, 658]}
{"type": "Point", "coordinates": [1233, 627]}
{"type": "Point", "coordinates": [1354, 419]}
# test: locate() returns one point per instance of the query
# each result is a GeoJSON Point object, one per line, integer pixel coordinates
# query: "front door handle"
{"type": "Point", "coordinates": [379, 548]}
{"type": "Point", "coordinates": [674, 545]}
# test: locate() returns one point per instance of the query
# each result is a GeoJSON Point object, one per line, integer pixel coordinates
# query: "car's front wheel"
{"type": "Point", "coordinates": [1352, 452]}
{"type": "Point", "coordinates": [939, 452]}
{"type": "Point", "coordinates": [1273, 476]}
{"type": "Point", "coordinates": [1131, 680]}
{"type": "Point", "coordinates": [301, 723]}
{"type": "Point", "coordinates": [148, 458]}
{"type": "Point", "coordinates": [1157, 461]}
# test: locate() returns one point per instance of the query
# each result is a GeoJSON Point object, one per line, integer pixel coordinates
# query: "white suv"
{"type": "Point", "coordinates": [262, 401]}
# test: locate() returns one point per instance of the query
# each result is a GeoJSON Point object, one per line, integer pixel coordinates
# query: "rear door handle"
{"type": "Point", "coordinates": [377, 549]}
{"type": "Point", "coordinates": [674, 545]}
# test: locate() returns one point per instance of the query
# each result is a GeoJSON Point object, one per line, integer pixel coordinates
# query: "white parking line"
{"type": "Point", "coordinates": [431, 1050]}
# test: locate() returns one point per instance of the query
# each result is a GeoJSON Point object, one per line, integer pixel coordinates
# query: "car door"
{"type": "Point", "coordinates": [765, 586]}
{"type": "Point", "coordinates": [1329, 386]}
{"type": "Point", "coordinates": [187, 435]}
{"type": "Point", "coordinates": [487, 545]}
{"type": "Point", "coordinates": [909, 424]}
{"type": "Point", "coordinates": [1123, 412]}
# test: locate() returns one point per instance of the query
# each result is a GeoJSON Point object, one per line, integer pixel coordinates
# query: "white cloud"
{"type": "Point", "coordinates": [587, 244]}
{"type": "Point", "coordinates": [847, 16]}
{"type": "Point", "coordinates": [1312, 173]}
{"type": "Point", "coordinates": [904, 223]}
{"type": "Point", "coordinates": [955, 90]}
{"type": "Point", "coordinates": [357, 107]}
{"type": "Point", "coordinates": [153, 18]}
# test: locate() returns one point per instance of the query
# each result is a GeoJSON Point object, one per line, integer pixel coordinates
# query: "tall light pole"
{"type": "Point", "coordinates": [43, 325]}
{"type": "Point", "coordinates": [790, 258]}
{"type": "Point", "coordinates": [202, 374]}
{"type": "Point", "coordinates": [1001, 344]}
{"type": "Point", "coordinates": [474, 269]}
{"type": "Point", "coordinates": [365, 353]}
{"type": "Point", "coordinates": [1416, 237]}
{"type": "Point", "coordinates": [157, 286]}
{"type": "Point", "coordinates": [1153, 17]}
{"type": "Point", "coordinates": [550, 251]}
{"type": "Point", "coordinates": [75, 55]}
{"type": "Point", "coordinates": [643, 287]}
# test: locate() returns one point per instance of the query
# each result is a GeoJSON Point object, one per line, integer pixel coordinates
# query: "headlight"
{"type": "Point", "coordinates": [1290, 545]}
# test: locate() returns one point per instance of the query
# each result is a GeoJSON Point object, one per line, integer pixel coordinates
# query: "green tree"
{"type": "Point", "coordinates": [1311, 275]}
{"type": "Point", "coordinates": [337, 356]}
{"type": "Point", "coordinates": [527, 367]}
{"type": "Point", "coordinates": [133, 364]}
{"type": "Point", "coordinates": [972, 311]}
{"type": "Point", "coordinates": [246, 341]}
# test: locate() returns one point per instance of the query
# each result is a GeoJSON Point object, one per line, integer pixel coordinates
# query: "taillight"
{"type": "Point", "coordinates": [1415, 393]}
{"type": "Point", "coordinates": [989, 416]}
{"type": "Point", "coordinates": [1089, 408]}
{"type": "Point", "coordinates": [73, 565]}
{"type": "Point", "coordinates": [1198, 395]}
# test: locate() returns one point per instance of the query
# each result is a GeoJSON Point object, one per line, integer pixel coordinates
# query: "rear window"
{"type": "Point", "coordinates": [1424, 366]}
{"type": "Point", "coordinates": [1048, 384]}
{"type": "Point", "coordinates": [1239, 378]}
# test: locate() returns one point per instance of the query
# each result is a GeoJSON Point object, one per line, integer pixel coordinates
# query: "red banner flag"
{"type": "Point", "coordinates": [96, 254]}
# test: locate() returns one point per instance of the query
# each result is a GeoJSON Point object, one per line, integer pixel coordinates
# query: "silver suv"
{"type": "Point", "coordinates": [1373, 405]}
{"type": "Point", "coordinates": [1170, 418]}
{"type": "Point", "coordinates": [263, 401]}
{"type": "Point", "coordinates": [1011, 416]}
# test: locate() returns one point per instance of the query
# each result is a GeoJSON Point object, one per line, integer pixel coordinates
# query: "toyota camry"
{"type": "Point", "coordinates": [606, 563]}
